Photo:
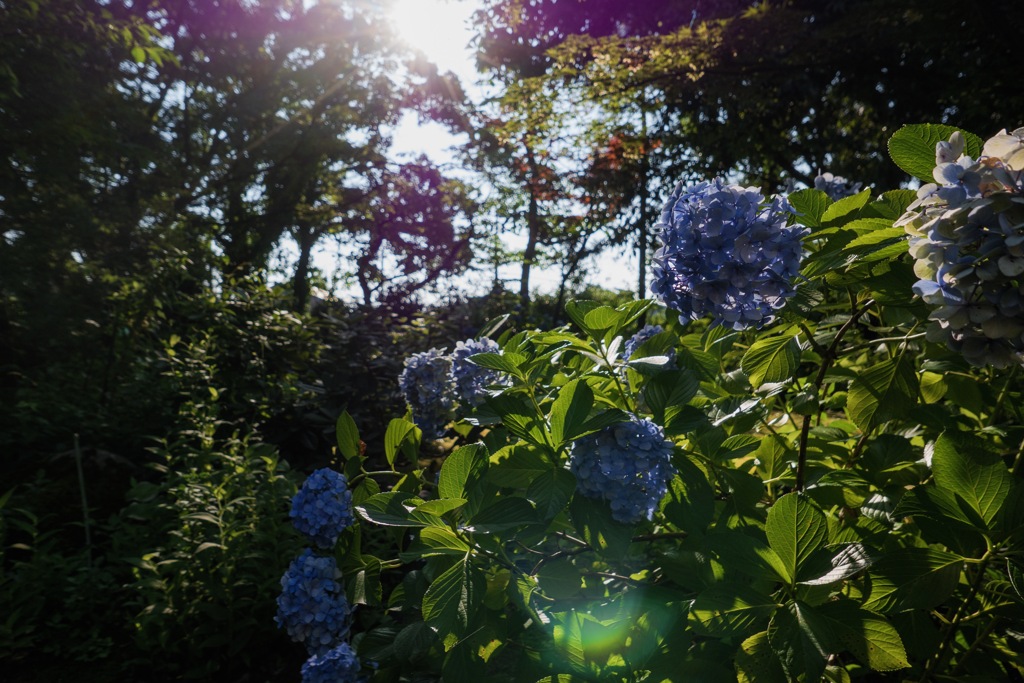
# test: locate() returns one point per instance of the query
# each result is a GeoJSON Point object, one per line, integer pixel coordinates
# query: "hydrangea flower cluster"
{"type": "Point", "coordinates": [727, 253]}
{"type": "Point", "coordinates": [338, 665]}
{"type": "Point", "coordinates": [836, 186]}
{"type": "Point", "coordinates": [967, 238]}
{"type": "Point", "coordinates": [628, 464]}
{"type": "Point", "coordinates": [471, 380]}
{"type": "Point", "coordinates": [429, 389]}
{"type": "Point", "coordinates": [637, 340]}
{"type": "Point", "coordinates": [434, 384]}
{"type": "Point", "coordinates": [323, 507]}
{"type": "Point", "coordinates": [312, 606]}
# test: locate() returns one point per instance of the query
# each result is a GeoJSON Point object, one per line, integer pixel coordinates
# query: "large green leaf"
{"type": "Point", "coordinates": [845, 206]}
{"type": "Point", "coordinates": [452, 599]}
{"type": "Point", "coordinates": [979, 478]}
{"type": "Point", "coordinates": [730, 609]}
{"type": "Point", "coordinates": [771, 359]}
{"type": "Point", "coordinates": [393, 508]}
{"type": "Point", "coordinates": [849, 560]}
{"type": "Point", "coordinates": [551, 491]}
{"type": "Point", "coordinates": [741, 553]}
{"type": "Point", "coordinates": [690, 502]}
{"type": "Point", "coordinates": [400, 435]}
{"type": "Point", "coordinates": [461, 469]}
{"type": "Point", "coordinates": [508, 362]}
{"type": "Point", "coordinates": [810, 205]}
{"type": "Point", "coordinates": [509, 512]}
{"type": "Point", "coordinates": [912, 147]}
{"type": "Point", "coordinates": [593, 520]}
{"type": "Point", "coordinates": [866, 635]}
{"type": "Point", "coordinates": [883, 392]}
{"type": "Point", "coordinates": [802, 640]}
{"type": "Point", "coordinates": [796, 528]}
{"type": "Point", "coordinates": [755, 661]}
{"type": "Point", "coordinates": [667, 393]}
{"type": "Point", "coordinates": [570, 410]}
{"type": "Point", "coordinates": [434, 541]}
{"type": "Point", "coordinates": [347, 435]}
{"type": "Point", "coordinates": [912, 578]}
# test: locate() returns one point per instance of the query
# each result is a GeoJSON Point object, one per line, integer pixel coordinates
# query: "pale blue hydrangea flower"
{"type": "Point", "coordinates": [628, 464]}
{"type": "Point", "coordinates": [967, 238]}
{"type": "Point", "coordinates": [429, 389]}
{"type": "Point", "coordinates": [836, 186]}
{"type": "Point", "coordinates": [323, 507]}
{"type": "Point", "coordinates": [338, 665]}
{"type": "Point", "coordinates": [726, 253]}
{"type": "Point", "coordinates": [312, 606]}
{"type": "Point", "coordinates": [471, 381]}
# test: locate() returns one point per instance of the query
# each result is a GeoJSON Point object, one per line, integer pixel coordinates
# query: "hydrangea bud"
{"type": "Point", "coordinates": [312, 606]}
{"type": "Point", "coordinates": [628, 464]}
{"type": "Point", "coordinates": [429, 389]}
{"type": "Point", "coordinates": [727, 253]}
{"type": "Point", "coordinates": [836, 186]}
{"type": "Point", "coordinates": [967, 239]}
{"type": "Point", "coordinates": [337, 665]}
{"type": "Point", "coordinates": [323, 507]}
{"type": "Point", "coordinates": [471, 380]}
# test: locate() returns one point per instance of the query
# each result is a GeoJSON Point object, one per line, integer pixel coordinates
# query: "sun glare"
{"type": "Point", "coordinates": [438, 29]}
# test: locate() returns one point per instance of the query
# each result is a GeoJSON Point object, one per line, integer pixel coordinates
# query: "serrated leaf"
{"type": "Point", "coordinates": [771, 359]}
{"type": "Point", "coordinates": [796, 528]}
{"type": "Point", "coordinates": [390, 509]}
{"type": "Point", "coordinates": [462, 468]}
{"type": "Point", "coordinates": [560, 579]}
{"type": "Point", "coordinates": [802, 640]}
{"type": "Point", "coordinates": [347, 436]}
{"type": "Point", "coordinates": [729, 610]}
{"type": "Point", "coordinates": [668, 392]}
{"type": "Point", "coordinates": [756, 662]}
{"type": "Point", "coordinates": [810, 205]}
{"type": "Point", "coordinates": [845, 207]}
{"type": "Point", "coordinates": [882, 392]}
{"type": "Point", "coordinates": [912, 147]}
{"type": "Point", "coordinates": [551, 492]}
{"type": "Point", "coordinates": [912, 578]}
{"type": "Point", "coordinates": [738, 552]}
{"type": "Point", "coordinates": [508, 363]}
{"type": "Point", "coordinates": [399, 435]}
{"type": "Point", "coordinates": [980, 478]}
{"type": "Point", "coordinates": [865, 635]}
{"type": "Point", "coordinates": [434, 541]}
{"type": "Point", "coordinates": [593, 520]}
{"type": "Point", "coordinates": [851, 559]}
{"type": "Point", "coordinates": [569, 411]}
{"type": "Point", "coordinates": [506, 513]}
{"type": "Point", "coordinates": [452, 599]}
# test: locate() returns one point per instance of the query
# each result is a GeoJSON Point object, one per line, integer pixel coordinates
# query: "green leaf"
{"type": "Point", "coordinates": [690, 502]}
{"type": "Point", "coordinates": [882, 392]}
{"type": "Point", "coordinates": [462, 468]}
{"type": "Point", "coordinates": [560, 579]}
{"type": "Point", "coordinates": [845, 206]}
{"type": "Point", "coordinates": [891, 204]}
{"type": "Point", "coordinates": [668, 392]}
{"type": "Point", "coordinates": [570, 410]}
{"type": "Point", "coordinates": [730, 609]}
{"type": "Point", "coordinates": [739, 552]}
{"type": "Point", "coordinates": [796, 528]}
{"type": "Point", "coordinates": [503, 363]}
{"type": "Point", "coordinates": [980, 478]}
{"type": "Point", "coordinates": [912, 147]}
{"type": "Point", "coordinates": [865, 635]}
{"type": "Point", "coordinates": [400, 435]}
{"type": "Point", "coordinates": [771, 359]}
{"type": "Point", "coordinates": [517, 466]}
{"type": "Point", "coordinates": [851, 559]}
{"type": "Point", "coordinates": [348, 436]}
{"type": "Point", "coordinates": [551, 491]}
{"type": "Point", "coordinates": [577, 311]}
{"type": "Point", "coordinates": [756, 662]}
{"type": "Point", "coordinates": [138, 54]}
{"type": "Point", "coordinates": [393, 508]}
{"type": "Point", "coordinates": [507, 513]}
{"type": "Point", "coordinates": [593, 520]}
{"type": "Point", "coordinates": [602, 318]}
{"type": "Point", "coordinates": [810, 205]}
{"type": "Point", "coordinates": [434, 541]}
{"type": "Point", "coordinates": [802, 641]}
{"type": "Point", "coordinates": [452, 599]}
{"type": "Point", "coordinates": [912, 578]}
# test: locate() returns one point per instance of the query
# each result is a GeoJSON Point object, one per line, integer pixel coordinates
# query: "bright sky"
{"type": "Point", "coordinates": [442, 31]}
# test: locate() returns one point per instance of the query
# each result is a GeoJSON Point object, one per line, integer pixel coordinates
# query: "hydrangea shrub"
{"type": "Point", "coordinates": [322, 508]}
{"type": "Point", "coordinates": [819, 487]}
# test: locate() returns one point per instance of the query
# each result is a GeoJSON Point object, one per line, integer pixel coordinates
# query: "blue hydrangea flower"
{"type": "Point", "coordinates": [323, 507]}
{"type": "Point", "coordinates": [338, 665]}
{"type": "Point", "coordinates": [967, 239]}
{"type": "Point", "coordinates": [471, 381]}
{"type": "Point", "coordinates": [727, 253]}
{"type": "Point", "coordinates": [628, 464]}
{"type": "Point", "coordinates": [312, 606]}
{"type": "Point", "coordinates": [429, 389]}
{"type": "Point", "coordinates": [637, 340]}
{"type": "Point", "coordinates": [836, 186]}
